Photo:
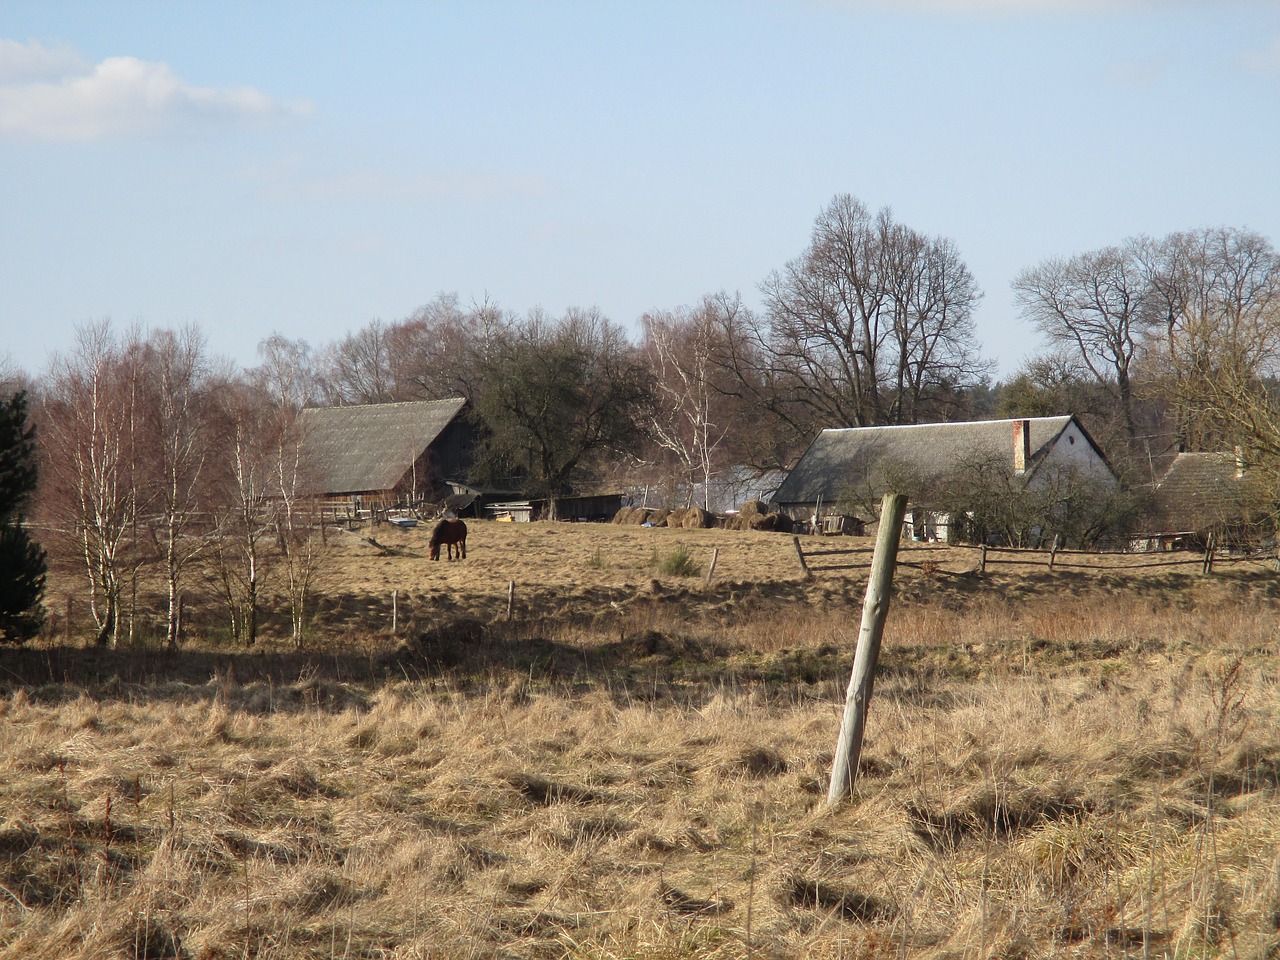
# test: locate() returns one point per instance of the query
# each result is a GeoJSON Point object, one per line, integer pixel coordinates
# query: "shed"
{"type": "Point", "coordinates": [595, 508]}
{"type": "Point", "coordinates": [1202, 494]}
{"type": "Point", "coordinates": [380, 454]}
{"type": "Point", "coordinates": [846, 471]}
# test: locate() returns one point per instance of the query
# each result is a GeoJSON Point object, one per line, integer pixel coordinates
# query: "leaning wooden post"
{"type": "Point", "coordinates": [804, 567]}
{"type": "Point", "coordinates": [395, 611]}
{"type": "Point", "coordinates": [875, 608]}
{"type": "Point", "coordinates": [711, 568]}
{"type": "Point", "coordinates": [511, 598]}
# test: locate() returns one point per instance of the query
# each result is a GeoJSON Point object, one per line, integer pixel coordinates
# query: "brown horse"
{"type": "Point", "coordinates": [449, 532]}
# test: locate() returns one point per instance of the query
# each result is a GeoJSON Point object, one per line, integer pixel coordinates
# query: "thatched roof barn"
{"type": "Point", "coordinates": [387, 451]}
{"type": "Point", "coordinates": [1200, 494]}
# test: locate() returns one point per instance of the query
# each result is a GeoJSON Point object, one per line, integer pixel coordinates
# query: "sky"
{"type": "Point", "coordinates": [306, 168]}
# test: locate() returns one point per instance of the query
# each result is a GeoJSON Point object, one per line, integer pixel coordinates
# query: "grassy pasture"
{"type": "Point", "coordinates": [1059, 764]}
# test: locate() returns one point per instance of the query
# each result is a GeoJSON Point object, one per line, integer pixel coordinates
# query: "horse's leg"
{"type": "Point", "coordinates": [462, 549]}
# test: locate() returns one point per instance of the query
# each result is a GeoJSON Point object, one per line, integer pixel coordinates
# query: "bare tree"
{"type": "Point", "coordinates": [1218, 323]}
{"type": "Point", "coordinates": [1095, 305]}
{"type": "Point", "coordinates": [176, 410]}
{"type": "Point", "coordinates": [692, 414]}
{"type": "Point", "coordinates": [291, 477]}
{"type": "Point", "coordinates": [89, 426]}
{"type": "Point", "coordinates": [872, 324]}
{"type": "Point", "coordinates": [244, 510]}
{"type": "Point", "coordinates": [440, 351]}
{"type": "Point", "coordinates": [358, 368]}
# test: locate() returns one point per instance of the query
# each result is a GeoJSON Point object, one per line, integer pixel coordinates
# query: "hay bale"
{"type": "Point", "coordinates": [675, 518]}
{"type": "Point", "coordinates": [631, 516]}
{"type": "Point", "coordinates": [696, 518]}
{"type": "Point", "coordinates": [753, 508]}
{"type": "Point", "coordinates": [659, 517]}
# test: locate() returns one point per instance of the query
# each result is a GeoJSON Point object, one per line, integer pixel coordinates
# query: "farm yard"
{"type": "Point", "coordinates": [571, 744]}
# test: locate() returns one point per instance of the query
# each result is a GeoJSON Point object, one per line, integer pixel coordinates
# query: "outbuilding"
{"type": "Point", "coordinates": [376, 456]}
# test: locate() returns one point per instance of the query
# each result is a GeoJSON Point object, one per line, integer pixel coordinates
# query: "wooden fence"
{"type": "Point", "coordinates": [1051, 558]}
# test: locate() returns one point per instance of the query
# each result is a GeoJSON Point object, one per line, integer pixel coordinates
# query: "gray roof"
{"type": "Point", "coordinates": [841, 458]}
{"type": "Point", "coordinates": [1200, 491]}
{"type": "Point", "coordinates": [370, 447]}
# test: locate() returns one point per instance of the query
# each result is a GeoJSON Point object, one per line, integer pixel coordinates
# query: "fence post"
{"type": "Point", "coordinates": [1206, 565]}
{"type": "Point", "coordinates": [1053, 551]}
{"type": "Point", "coordinates": [395, 610]}
{"type": "Point", "coordinates": [711, 568]}
{"type": "Point", "coordinates": [875, 609]}
{"type": "Point", "coordinates": [804, 567]}
{"type": "Point", "coordinates": [511, 598]}
{"type": "Point", "coordinates": [982, 559]}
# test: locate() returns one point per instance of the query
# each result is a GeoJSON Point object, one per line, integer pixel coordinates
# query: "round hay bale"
{"type": "Point", "coordinates": [622, 515]}
{"type": "Point", "coordinates": [762, 521]}
{"type": "Point", "coordinates": [659, 517]}
{"type": "Point", "coordinates": [639, 516]}
{"type": "Point", "coordinates": [696, 518]}
{"type": "Point", "coordinates": [738, 522]}
{"type": "Point", "coordinates": [753, 508]}
{"type": "Point", "coordinates": [676, 517]}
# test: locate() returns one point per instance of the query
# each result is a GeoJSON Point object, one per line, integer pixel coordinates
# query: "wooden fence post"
{"type": "Point", "coordinates": [511, 598]}
{"type": "Point", "coordinates": [982, 559]}
{"type": "Point", "coordinates": [875, 609]}
{"type": "Point", "coordinates": [395, 611]}
{"type": "Point", "coordinates": [711, 567]}
{"type": "Point", "coordinates": [1053, 551]}
{"type": "Point", "coordinates": [804, 567]}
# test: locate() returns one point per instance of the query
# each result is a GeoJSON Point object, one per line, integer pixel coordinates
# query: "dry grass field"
{"type": "Point", "coordinates": [1076, 763]}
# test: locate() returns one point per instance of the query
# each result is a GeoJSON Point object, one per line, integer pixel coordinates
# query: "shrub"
{"type": "Point", "coordinates": [677, 563]}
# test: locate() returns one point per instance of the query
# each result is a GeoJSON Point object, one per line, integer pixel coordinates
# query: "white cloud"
{"type": "Point", "coordinates": [25, 62]}
{"type": "Point", "coordinates": [53, 94]}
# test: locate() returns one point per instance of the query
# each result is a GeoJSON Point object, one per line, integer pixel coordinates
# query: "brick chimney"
{"type": "Point", "coordinates": [1021, 445]}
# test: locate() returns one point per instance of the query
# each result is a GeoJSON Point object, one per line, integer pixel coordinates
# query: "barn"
{"type": "Point", "coordinates": [846, 471]}
{"type": "Point", "coordinates": [376, 456]}
{"type": "Point", "coordinates": [1203, 495]}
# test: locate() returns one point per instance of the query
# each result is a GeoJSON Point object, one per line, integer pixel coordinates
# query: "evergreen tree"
{"type": "Point", "coordinates": [22, 561]}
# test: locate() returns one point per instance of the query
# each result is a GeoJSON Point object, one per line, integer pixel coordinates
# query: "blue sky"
{"type": "Point", "coordinates": [305, 168]}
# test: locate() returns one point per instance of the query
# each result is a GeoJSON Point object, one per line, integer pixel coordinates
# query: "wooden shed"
{"type": "Point", "coordinates": [379, 455]}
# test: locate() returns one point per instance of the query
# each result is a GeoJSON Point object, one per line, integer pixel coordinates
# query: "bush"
{"type": "Point", "coordinates": [678, 563]}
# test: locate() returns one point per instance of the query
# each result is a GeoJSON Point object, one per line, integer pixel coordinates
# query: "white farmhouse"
{"type": "Point", "coordinates": [845, 471]}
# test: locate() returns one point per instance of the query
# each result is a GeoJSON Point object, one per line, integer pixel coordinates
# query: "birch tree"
{"type": "Point", "coordinates": [178, 411]}
{"type": "Point", "coordinates": [89, 424]}
{"type": "Point", "coordinates": [691, 416]}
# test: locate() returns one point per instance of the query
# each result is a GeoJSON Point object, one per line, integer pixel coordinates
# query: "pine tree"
{"type": "Point", "coordinates": [22, 561]}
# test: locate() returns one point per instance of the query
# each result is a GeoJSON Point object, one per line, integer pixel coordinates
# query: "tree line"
{"type": "Point", "coordinates": [153, 454]}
